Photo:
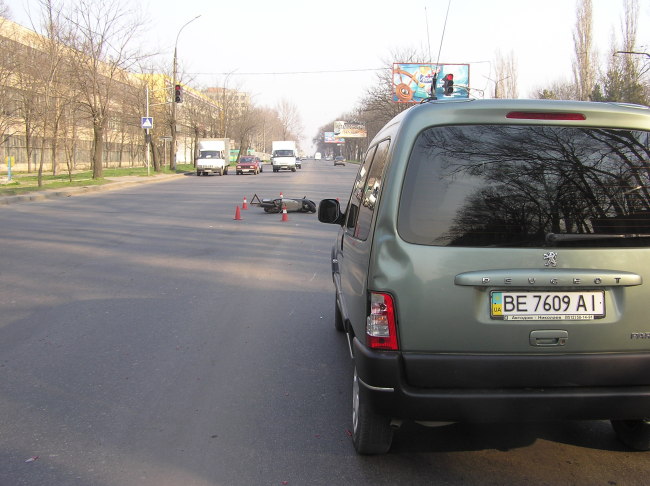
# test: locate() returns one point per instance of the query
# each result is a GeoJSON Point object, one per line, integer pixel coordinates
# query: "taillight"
{"type": "Point", "coordinates": [381, 331]}
{"type": "Point", "coordinates": [535, 115]}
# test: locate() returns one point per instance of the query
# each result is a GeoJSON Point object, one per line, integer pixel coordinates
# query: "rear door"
{"type": "Point", "coordinates": [524, 239]}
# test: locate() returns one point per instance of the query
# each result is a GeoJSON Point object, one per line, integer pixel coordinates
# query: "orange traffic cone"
{"type": "Point", "coordinates": [285, 216]}
{"type": "Point", "coordinates": [237, 214]}
{"type": "Point", "coordinates": [245, 205]}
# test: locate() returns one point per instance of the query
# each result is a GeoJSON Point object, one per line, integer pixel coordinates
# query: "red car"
{"type": "Point", "coordinates": [249, 164]}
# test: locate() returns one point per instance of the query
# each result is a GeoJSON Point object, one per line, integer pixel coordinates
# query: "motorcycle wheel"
{"type": "Point", "coordinates": [309, 206]}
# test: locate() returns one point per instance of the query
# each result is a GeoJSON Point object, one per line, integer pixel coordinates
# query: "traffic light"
{"type": "Point", "coordinates": [448, 85]}
{"type": "Point", "coordinates": [178, 94]}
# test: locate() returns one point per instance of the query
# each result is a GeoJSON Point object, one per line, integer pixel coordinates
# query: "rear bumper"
{"type": "Point", "coordinates": [385, 387]}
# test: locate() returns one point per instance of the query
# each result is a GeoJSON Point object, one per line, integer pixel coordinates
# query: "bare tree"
{"type": "Point", "coordinates": [289, 119]}
{"type": "Point", "coordinates": [267, 127]}
{"type": "Point", "coordinates": [69, 134]}
{"type": "Point", "coordinates": [50, 79]}
{"type": "Point", "coordinates": [101, 34]}
{"type": "Point", "coordinates": [198, 114]}
{"type": "Point", "coordinates": [622, 80]}
{"type": "Point", "coordinates": [633, 91]}
{"type": "Point", "coordinates": [584, 68]}
{"type": "Point", "coordinates": [559, 90]}
{"type": "Point", "coordinates": [505, 82]}
{"type": "Point", "coordinates": [377, 106]}
{"type": "Point", "coordinates": [244, 128]}
{"type": "Point", "coordinates": [4, 10]}
{"type": "Point", "coordinates": [228, 100]}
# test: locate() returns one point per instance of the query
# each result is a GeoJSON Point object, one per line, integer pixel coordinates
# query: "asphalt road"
{"type": "Point", "coordinates": [147, 338]}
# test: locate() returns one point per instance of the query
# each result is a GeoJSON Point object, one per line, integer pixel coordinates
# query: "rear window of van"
{"type": "Point", "coordinates": [523, 186]}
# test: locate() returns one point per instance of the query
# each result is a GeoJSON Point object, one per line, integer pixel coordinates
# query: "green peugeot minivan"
{"type": "Point", "coordinates": [493, 264]}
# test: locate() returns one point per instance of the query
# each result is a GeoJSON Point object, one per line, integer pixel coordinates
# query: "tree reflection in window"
{"type": "Point", "coordinates": [498, 185]}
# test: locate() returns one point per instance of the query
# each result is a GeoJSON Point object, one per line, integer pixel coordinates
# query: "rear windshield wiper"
{"type": "Point", "coordinates": [556, 237]}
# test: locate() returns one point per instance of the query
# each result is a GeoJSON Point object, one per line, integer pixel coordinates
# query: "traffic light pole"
{"type": "Point", "coordinates": [172, 150]}
{"type": "Point", "coordinates": [172, 158]}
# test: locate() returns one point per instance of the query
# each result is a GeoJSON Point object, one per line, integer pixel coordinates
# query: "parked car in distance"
{"type": "Point", "coordinates": [298, 163]}
{"type": "Point", "coordinates": [249, 164]}
{"type": "Point", "coordinates": [339, 160]}
{"type": "Point", "coordinates": [491, 266]}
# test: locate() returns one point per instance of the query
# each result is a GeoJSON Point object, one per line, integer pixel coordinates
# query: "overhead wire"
{"type": "Point", "coordinates": [279, 73]}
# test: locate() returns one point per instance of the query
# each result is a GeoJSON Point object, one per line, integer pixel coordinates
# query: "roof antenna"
{"type": "Point", "coordinates": [442, 38]}
{"type": "Point", "coordinates": [426, 17]}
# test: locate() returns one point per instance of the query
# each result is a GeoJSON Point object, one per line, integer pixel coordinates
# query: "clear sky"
{"type": "Point", "coordinates": [326, 41]}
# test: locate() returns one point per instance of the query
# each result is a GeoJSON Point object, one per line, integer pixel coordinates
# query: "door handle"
{"type": "Point", "coordinates": [548, 338]}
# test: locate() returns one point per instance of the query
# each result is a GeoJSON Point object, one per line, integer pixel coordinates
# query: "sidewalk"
{"type": "Point", "coordinates": [115, 183]}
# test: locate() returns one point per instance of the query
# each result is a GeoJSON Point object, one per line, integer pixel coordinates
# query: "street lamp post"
{"type": "Point", "coordinates": [172, 155]}
{"type": "Point", "coordinates": [497, 94]}
{"type": "Point", "coordinates": [646, 67]}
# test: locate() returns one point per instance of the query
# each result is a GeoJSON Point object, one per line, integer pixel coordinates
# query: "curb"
{"type": "Point", "coordinates": [116, 183]}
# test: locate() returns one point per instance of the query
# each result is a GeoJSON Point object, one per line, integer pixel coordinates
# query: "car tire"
{"type": "Point", "coordinates": [371, 433]}
{"type": "Point", "coordinates": [635, 434]}
{"type": "Point", "coordinates": [338, 319]}
{"type": "Point", "coordinates": [293, 169]}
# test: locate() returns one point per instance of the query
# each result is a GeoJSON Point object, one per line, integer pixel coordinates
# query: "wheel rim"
{"type": "Point", "coordinates": [355, 401]}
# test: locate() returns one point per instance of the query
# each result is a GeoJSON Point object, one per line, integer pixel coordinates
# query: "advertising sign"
{"type": "Point", "coordinates": [330, 137]}
{"type": "Point", "coordinates": [345, 129]}
{"type": "Point", "coordinates": [412, 82]}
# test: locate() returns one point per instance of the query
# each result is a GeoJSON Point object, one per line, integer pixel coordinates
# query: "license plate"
{"type": "Point", "coordinates": [547, 306]}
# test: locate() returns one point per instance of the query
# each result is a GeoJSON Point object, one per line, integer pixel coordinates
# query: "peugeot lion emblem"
{"type": "Point", "coordinates": [550, 259]}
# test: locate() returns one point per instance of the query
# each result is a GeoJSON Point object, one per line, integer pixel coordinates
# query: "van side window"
{"type": "Point", "coordinates": [369, 193]}
{"type": "Point", "coordinates": [357, 192]}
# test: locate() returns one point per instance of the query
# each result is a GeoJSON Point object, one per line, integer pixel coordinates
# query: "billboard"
{"type": "Point", "coordinates": [412, 82]}
{"type": "Point", "coordinates": [330, 137]}
{"type": "Point", "coordinates": [345, 129]}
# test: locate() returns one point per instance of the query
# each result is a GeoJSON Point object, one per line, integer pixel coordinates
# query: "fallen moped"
{"type": "Point", "coordinates": [293, 204]}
